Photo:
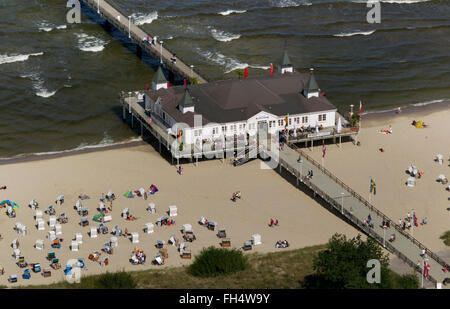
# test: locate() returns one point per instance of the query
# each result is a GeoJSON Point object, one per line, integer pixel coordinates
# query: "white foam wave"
{"type": "Point", "coordinates": [289, 3]}
{"type": "Point", "coordinates": [45, 93]}
{"type": "Point", "coordinates": [354, 33]}
{"type": "Point", "coordinates": [224, 36]}
{"type": "Point", "coordinates": [90, 43]}
{"type": "Point", "coordinates": [141, 18]}
{"type": "Point", "coordinates": [394, 1]}
{"type": "Point", "coordinates": [105, 142]}
{"type": "Point", "coordinates": [61, 27]}
{"type": "Point", "coordinates": [428, 102]}
{"type": "Point", "coordinates": [16, 58]}
{"type": "Point", "coordinates": [228, 12]}
{"type": "Point", "coordinates": [229, 63]}
{"type": "Point", "coordinates": [419, 104]}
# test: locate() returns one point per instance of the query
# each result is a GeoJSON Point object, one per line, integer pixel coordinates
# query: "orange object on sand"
{"type": "Point", "coordinates": [381, 149]}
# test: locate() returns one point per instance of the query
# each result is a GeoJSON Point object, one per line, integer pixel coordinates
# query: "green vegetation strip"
{"type": "Point", "coordinates": [446, 238]}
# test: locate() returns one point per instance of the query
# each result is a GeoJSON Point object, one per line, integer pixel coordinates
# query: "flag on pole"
{"type": "Point", "coordinates": [168, 85]}
{"type": "Point", "coordinates": [360, 108]}
{"type": "Point", "coordinates": [286, 119]}
{"type": "Point", "coordinates": [246, 72]}
{"type": "Point", "coordinates": [324, 149]}
{"type": "Point", "coordinates": [373, 187]}
{"type": "Point", "coordinates": [147, 87]}
{"type": "Point", "coordinates": [185, 83]}
{"type": "Point", "coordinates": [426, 269]}
{"type": "Point", "coordinates": [271, 69]}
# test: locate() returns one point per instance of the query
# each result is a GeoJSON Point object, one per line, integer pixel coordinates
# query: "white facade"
{"type": "Point", "coordinates": [157, 86]}
{"type": "Point", "coordinates": [285, 70]}
{"type": "Point", "coordinates": [215, 131]}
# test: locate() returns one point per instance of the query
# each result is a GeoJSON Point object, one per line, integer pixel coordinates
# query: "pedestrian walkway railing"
{"type": "Point", "coordinates": [368, 205]}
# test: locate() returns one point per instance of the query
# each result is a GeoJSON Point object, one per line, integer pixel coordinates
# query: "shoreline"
{"type": "Point", "coordinates": [371, 119]}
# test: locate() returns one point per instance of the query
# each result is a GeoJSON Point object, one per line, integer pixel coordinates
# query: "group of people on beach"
{"type": "Point", "coordinates": [282, 244]}
{"type": "Point", "coordinates": [236, 195]}
{"type": "Point", "coordinates": [273, 223]}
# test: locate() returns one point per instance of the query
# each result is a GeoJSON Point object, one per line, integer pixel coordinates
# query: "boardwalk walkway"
{"type": "Point", "coordinates": [356, 209]}
{"type": "Point", "coordinates": [120, 21]}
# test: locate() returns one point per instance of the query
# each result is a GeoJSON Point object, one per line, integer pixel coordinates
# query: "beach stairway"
{"type": "Point", "coordinates": [349, 204]}
{"type": "Point", "coordinates": [248, 154]}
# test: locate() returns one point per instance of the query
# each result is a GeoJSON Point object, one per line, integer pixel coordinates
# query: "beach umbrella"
{"type": "Point", "coordinates": [317, 128]}
{"type": "Point", "coordinates": [246, 72]}
{"type": "Point", "coordinates": [15, 206]}
{"type": "Point", "coordinates": [129, 194]}
{"type": "Point", "coordinates": [295, 129]}
{"type": "Point", "coordinates": [339, 126]}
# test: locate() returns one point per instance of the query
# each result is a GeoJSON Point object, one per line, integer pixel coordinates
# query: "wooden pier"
{"type": "Point", "coordinates": [119, 20]}
{"type": "Point", "coordinates": [355, 209]}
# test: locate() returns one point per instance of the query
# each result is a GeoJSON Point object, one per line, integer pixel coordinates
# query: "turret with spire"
{"type": "Point", "coordinates": [285, 64]}
{"type": "Point", "coordinates": [311, 88]}
{"type": "Point", "coordinates": [187, 103]}
{"type": "Point", "coordinates": [159, 80]}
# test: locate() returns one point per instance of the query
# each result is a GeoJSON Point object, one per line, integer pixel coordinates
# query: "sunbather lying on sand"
{"type": "Point", "coordinates": [3, 188]}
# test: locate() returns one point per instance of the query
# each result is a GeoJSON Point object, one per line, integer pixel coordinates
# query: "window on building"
{"type": "Point", "coordinates": [241, 126]}
{"type": "Point", "coordinates": [215, 130]}
{"type": "Point", "coordinates": [290, 121]}
{"type": "Point", "coordinates": [164, 116]}
{"type": "Point", "coordinates": [280, 122]}
{"type": "Point", "coordinates": [323, 117]}
{"type": "Point", "coordinates": [304, 119]}
{"type": "Point", "coordinates": [224, 129]}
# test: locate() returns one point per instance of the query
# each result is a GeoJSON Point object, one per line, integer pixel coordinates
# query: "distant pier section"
{"type": "Point", "coordinates": [112, 15]}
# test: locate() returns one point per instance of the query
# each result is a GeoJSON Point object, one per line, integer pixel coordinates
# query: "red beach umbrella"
{"type": "Point", "coordinates": [246, 72]}
{"type": "Point", "coordinates": [271, 69]}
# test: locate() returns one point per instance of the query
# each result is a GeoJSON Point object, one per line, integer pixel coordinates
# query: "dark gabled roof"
{"type": "Point", "coordinates": [311, 84]}
{"type": "Point", "coordinates": [285, 61]}
{"type": "Point", "coordinates": [186, 101]}
{"type": "Point", "coordinates": [159, 77]}
{"type": "Point", "coordinates": [240, 99]}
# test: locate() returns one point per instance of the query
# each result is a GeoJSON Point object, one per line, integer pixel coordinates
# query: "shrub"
{"type": "Point", "coordinates": [446, 238]}
{"type": "Point", "coordinates": [118, 280]}
{"type": "Point", "coordinates": [213, 262]}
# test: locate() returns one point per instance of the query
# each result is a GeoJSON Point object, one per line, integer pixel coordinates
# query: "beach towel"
{"type": "Point", "coordinates": [153, 189]}
{"type": "Point", "coordinates": [129, 194]}
{"type": "Point", "coordinates": [98, 217]}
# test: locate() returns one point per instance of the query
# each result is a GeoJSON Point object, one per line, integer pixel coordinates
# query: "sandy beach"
{"type": "Point", "coordinates": [405, 146]}
{"type": "Point", "coordinates": [202, 190]}
{"type": "Point", "coordinates": [205, 190]}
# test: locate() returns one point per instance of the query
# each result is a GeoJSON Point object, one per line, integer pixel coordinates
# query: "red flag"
{"type": "Point", "coordinates": [168, 84]}
{"type": "Point", "coordinates": [360, 108]}
{"type": "Point", "coordinates": [271, 69]}
{"type": "Point", "coordinates": [324, 149]}
{"type": "Point", "coordinates": [184, 83]}
{"type": "Point", "coordinates": [246, 73]}
{"type": "Point", "coordinates": [147, 88]}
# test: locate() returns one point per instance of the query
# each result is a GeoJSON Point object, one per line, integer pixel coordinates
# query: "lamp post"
{"type": "Point", "coordinates": [384, 235]}
{"type": "Point", "coordinates": [351, 110]}
{"type": "Point", "coordinates": [342, 202]}
{"type": "Point", "coordinates": [161, 43]}
{"type": "Point", "coordinates": [192, 70]}
{"type": "Point", "coordinates": [412, 225]}
{"type": "Point", "coordinates": [129, 26]}
{"type": "Point", "coordinates": [98, 6]}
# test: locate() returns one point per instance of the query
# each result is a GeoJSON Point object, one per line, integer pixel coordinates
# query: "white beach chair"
{"type": "Point", "coordinates": [93, 233]}
{"type": "Point", "coordinates": [442, 179]}
{"type": "Point", "coordinates": [202, 220]}
{"type": "Point", "coordinates": [173, 211]}
{"type": "Point", "coordinates": [33, 204]}
{"type": "Point", "coordinates": [411, 182]}
{"type": "Point", "coordinates": [159, 259]}
{"type": "Point", "coordinates": [15, 243]}
{"type": "Point", "coordinates": [51, 235]}
{"type": "Point", "coordinates": [107, 219]}
{"type": "Point", "coordinates": [40, 224]}
{"type": "Point", "coordinates": [439, 158]}
{"type": "Point", "coordinates": [58, 229]}
{"type": "Point", "coordinates": [101, 206]}
{"type": "Point", "coordinates": [78, 205]}
{"type": "Point", "coordinates": [187, 228]}
{"type": "Point", "coordinates": [39, 245]}
{"type": "Point", "coordinates": [22, 230]}
{"type": "Point", "coordinates": [114, 242]}
{"type": "Point", "coordinates": [38, 214]}
{"type": "Point", "coordinates": [151, 208]}
{"type": "Point", "coordinates": [16, 254]}
{"type": "Point", "coordinates": [142, 192]}
{"type": "Point", "coordinates": [182, 247]}
{"type": "Point", "coordinates": [52, 221]}
{"type": "Point", "coordinates": [79, 238]}
{"type": "Point", "coordinates": [149, 228]}
{"type": "Point", "coordinates": [256, 239]}
{"type": "Point", "coordinates": [172, 240]}
{"type": "Point", "coordinates": [134, 238]}
{"type": "Point", "coordinates": [74, 246]}
{"type": "Point", "coordinates": [125, 212]}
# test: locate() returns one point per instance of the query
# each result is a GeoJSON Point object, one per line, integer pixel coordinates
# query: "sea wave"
{"type": "Point", "coordinates": [289, 3]}
{"type": "Point", "coordinates": [142, 18]}
{"type": "Point", "coordinates": [224, 36]}
{"type": "Point", "coordinates": [390, 110]}
{"type": "Point", "coordinates": [354, 33]}
{"type": "Point", "coordinates": [393, 1]}
{"type": "Point", "coordinates": [228, 12]}
{"type": "Point", "coordinates": [104, 143]}
{"type": "Point", "coordinates": [228, 63]}
{"type": "Point", "coordinates": [16, 58]}
{"type": "Point", "coordinates": [90, 43]}
{"type": "Point", "coordinates": [47, 27]}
